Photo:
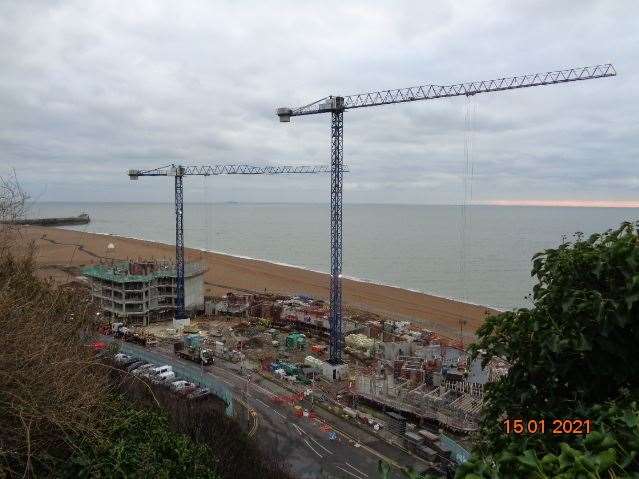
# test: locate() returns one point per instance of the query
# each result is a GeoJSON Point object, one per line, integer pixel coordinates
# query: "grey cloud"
{"type": "Point", "coordinates": [90, 89]}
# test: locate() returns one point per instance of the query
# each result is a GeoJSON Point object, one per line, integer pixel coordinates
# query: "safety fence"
{"type": "Point", "coordinates": [189, 372]}
{"type": "Point", "coordinates": [459, 454]}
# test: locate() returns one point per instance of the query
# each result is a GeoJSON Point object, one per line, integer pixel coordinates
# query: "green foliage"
{"type": "Point", "coordinates": [138, 443]}
{"type": "Point", "coordinates": [572, 352]}
{"type": "Point", "coordinates": [58, 417]}
{"type": "Point", "coordinates": [576, 346]}
{"type": "Point", "coordinates": [609, 451]}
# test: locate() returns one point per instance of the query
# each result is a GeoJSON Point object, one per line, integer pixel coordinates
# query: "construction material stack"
{"type": "Point", "coordinates": [296, 341]}
{"type": "Point", "coordinates": [360, 346]}
{"type": "Point", "coordinates": [190, 347]}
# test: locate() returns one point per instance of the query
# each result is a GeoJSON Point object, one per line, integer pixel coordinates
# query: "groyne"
{"type": "Point", "coordinates": [81, 219]}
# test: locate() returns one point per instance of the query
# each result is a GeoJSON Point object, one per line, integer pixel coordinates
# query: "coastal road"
{"type": "Point", "coordinates": [304, 443]}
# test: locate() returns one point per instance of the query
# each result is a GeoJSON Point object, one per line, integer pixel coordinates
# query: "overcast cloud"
{"type": "Point", "coordinates": [91, 89]}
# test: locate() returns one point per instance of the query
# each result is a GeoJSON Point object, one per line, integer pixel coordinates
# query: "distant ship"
{"type": "Point", "coordinates": [81, 219]}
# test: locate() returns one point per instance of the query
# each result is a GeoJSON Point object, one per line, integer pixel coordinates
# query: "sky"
{"type": "Point", "coordinates": [90, 89]}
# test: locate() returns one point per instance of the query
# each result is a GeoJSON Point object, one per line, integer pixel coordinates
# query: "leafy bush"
{"type": "Point", "coordinates": [610, 450]}
{"type": "Point", "coordinates": [138, 443]}
{"type": "Point", "coordinates": [572, 355]}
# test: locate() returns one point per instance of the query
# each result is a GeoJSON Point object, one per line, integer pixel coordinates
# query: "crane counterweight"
{"type": "Point", "coordinates": [284, 114]}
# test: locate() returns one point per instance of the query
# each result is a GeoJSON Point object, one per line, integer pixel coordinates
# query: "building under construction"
{"type": "Point", "coordinates": [397, 376]}
{"type": "Point", "coordinates": [139, 292]}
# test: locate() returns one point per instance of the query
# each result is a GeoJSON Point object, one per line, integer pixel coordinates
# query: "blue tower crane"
{"type": "Point", "coordinates": [179, 172]}
{"type": "Point", "coordinates": [337, 105]}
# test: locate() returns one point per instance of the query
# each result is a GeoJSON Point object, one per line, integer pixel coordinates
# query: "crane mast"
{"type": "Point", "coordinates": [337, 105]}
{"type": "Point", "coordinates": [179, 172]}
{"type": "Point", "coordinates": [180, 302]}
{"type": "Point", "coordinates": [335, 292]}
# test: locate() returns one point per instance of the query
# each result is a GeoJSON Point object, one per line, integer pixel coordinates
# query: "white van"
{"type": "Point", "coordinates": [145, 368]}
{"type": "Point", "coordinates": [165, 377]}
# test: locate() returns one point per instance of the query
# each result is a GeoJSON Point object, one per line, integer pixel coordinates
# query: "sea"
{"type": "Point", "coordinates": [477, 254]}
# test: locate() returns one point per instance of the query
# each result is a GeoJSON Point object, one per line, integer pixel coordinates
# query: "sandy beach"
{"type": "Point", "coordinates": [60, 252]}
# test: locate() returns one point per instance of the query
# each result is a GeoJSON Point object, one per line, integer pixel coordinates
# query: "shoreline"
{"type": "Point", "coordinates": [302, 268]}
{"type": "Point", "coordinates": [60, 249]}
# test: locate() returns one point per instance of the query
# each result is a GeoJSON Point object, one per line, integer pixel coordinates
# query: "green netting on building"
{"type": "Point", "coordinates": [119, 272]}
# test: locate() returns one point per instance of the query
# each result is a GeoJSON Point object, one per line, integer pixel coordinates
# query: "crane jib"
{"type": "Point", "coordinates": [214, 170]}
{"type": "Point", "coordinates": [431, 92]}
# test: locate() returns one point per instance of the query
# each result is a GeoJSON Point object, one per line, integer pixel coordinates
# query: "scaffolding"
{"type": "Point", "coordinates": [138, 292]}
{"type": "Point", "coordinates": [454, 405]}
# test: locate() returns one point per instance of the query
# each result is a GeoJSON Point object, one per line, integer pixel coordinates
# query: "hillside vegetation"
{"type": "Point", "coordinates": [59, 415]}
{"type": "Point", "coordinates": [66, 413]}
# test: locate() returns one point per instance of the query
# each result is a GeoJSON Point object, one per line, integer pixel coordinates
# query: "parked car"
{"type": "Point", "coordinates": [180, 385]}
{"type": "Point", "coordinates": [198, 393]}
{"type": "Point", "coordinates": [167, 377]}
{"type": "Point", "coordinates": [143, 369]}
{"type": "Point", "coordinates": [187, 390]}
{"type": "Point", "coordinates": [122, 358]}
{"type": "Point", "coordinates": [135, 365]}
{"type": "Point", "coordinates": [147, 373]}
{"type": "Point", "coordinates": [162, 369]}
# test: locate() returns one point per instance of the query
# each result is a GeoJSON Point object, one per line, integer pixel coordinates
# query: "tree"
{"type": "Point", "coordinates": [572, 355]}
{"type": "Point", "coordinates": [12, 208]}
{"type": "Point", "coordinates": [51, 386]}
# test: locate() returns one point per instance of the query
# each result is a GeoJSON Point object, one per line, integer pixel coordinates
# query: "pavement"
{"type": "Point", "coordinates": [327, 446]}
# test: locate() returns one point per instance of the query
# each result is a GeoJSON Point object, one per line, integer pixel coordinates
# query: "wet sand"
{"type": "Point", "coordinates": [60, 251]}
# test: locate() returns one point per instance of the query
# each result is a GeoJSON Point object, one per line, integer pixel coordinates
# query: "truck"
{"type": "Point", "coordinates": [131, 336]}
{"type": "Point", "coordinates": [118, 329]}
{"type": "Point", "coordinates": [191, 348]}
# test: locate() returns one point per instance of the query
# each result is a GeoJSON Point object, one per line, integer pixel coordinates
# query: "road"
{"type": "Point", "coordinates": [302, 442]}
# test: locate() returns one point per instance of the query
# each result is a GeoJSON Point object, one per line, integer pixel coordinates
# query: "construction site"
{"type": "Point", "coordinates": [396, 377]}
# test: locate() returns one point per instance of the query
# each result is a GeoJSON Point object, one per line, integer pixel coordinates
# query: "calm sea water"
{"type": "Point", "coordinates": [414, 247]}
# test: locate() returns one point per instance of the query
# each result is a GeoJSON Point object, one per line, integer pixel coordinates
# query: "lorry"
{"type": "Point", "coordinates": [131, 336]}
{"type": "Point", "coordinates": [191, 348]}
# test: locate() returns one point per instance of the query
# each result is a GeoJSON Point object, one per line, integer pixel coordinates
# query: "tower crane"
{"type": "Point", "coordinates": [337, 105]}
{"type": "Point", "coordinates": [179, 172]}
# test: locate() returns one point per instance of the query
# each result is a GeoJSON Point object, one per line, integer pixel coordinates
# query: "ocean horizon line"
{"type": "Point", "coordinates": [495, 203]}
